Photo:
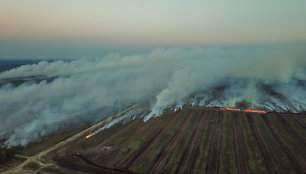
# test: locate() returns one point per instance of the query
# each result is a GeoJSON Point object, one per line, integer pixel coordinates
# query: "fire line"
{"type": "Point", "coordinates": [230, 109]}
{"type": "Point", "coordinates": [90, 135]}
{"type": "Point", "coordinates": [256, 111]}
{"type": "Point", "coordinates": [246, 110]}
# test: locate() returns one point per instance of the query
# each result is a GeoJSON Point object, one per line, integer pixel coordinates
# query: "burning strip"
{"type": "Point", "coordinates": [109, 122]}
{"type": "Point", "coordinates": [256, 111]}
{"type": "Point", "coordinates": [90, 135]}
{"type": "Point", "coordinates": [230, 109]}
{"type": "Point", "coordinates": [246, 110]}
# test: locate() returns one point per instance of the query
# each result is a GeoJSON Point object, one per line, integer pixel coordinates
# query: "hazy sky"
{"type": "Point", "coordinates": [138, 23]}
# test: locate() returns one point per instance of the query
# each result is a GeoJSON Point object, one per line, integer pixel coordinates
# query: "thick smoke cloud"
{"type": "Point", "coordinates": [267, 77]}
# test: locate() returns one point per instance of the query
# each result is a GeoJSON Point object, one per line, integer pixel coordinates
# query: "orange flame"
{"type": "Point", "coordinates": [88, 136]}
{"type": "Point", "coordinates": [256, 111]}
{"type": "Point", "coordinates": [246, 110]}
{"type": "Point", "coordinates": [230, 109]}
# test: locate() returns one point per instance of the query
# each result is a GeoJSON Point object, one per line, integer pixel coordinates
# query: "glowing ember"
{"type": "Point", "coordinates": [256, 111]}
{"type": "Point", "coordinates": [230, 109]}
{"type": "Point", "coordinates": [88, 136]}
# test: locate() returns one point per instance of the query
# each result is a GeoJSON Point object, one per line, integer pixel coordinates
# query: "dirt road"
{"type": "Point", "coordinates": [39, 157]}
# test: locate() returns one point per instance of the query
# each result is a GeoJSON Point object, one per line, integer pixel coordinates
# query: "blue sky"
{"type": "Point", "coordinates": [47, 27]}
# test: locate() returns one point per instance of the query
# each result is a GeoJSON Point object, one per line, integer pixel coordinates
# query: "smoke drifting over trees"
{"type": "Point", "coordinates": [266, 77]}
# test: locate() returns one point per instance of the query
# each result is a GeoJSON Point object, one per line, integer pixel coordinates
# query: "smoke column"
{"type": "Point", "coordinates": [271, 77]}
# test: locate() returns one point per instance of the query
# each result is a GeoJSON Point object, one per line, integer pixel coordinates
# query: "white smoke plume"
{"type": "Point", "coordinates": [268, 77]}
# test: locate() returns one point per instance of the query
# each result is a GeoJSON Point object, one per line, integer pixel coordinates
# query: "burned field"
{"type": "Point", "coordinates": [193, 140]}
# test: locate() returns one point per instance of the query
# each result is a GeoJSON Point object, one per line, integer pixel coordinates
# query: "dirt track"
{"type": "Point", "coordinates": [38, 157]}
{"type": "Point", "coordinates": [296, 165]}
{"type": "Point", "coordinates": [292, 132]}
{"type": "Point", "coordinates": [215, 146]}
{"type": "Point", "coordinates": [192, 149]}
{"type": "Point", "coordinates": [161, 161]}
{"type": "Point", "coordinates": [127, 164]}
{"type": "Point", "coordinates": [240, 149]}
{"type": "Point", "coordinates": [268, 161]}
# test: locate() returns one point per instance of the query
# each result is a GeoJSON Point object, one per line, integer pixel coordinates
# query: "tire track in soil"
{"type": "Point", "coordinates": [130, 138]}
{"type": "Point", "coordinates": [92, 153]}
{"type": "Point", "coordinates": [300, 122]}
{"type": "Point", "coordinates": [200, 165]}
{"type": "Point", "coordinates": [169, 147]}
{"type": "Point", "coordinates": [103, 169]}
{"type": "Point", "coordinates": [240, 149]}
{"type": "Point", "coordinates": [191, 151]}
{"type": "Point", "coordinates": [120, 132]}
{"type": "Point", "coordinates": [215, 147]}
{"type": "Point", "coordinates": [291, 131]}
{"type": "Point", "coordinates": [186, 148]}
{"type": "Point", "coordinates": [99, 158]}
{"type": "Point", "coordinates": [268, 161]}
{"type": "Point", "coordinates": [131, 160]}
{"type": "Point", "coordinates": [285, 147]}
